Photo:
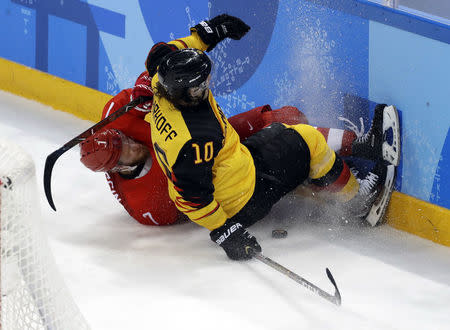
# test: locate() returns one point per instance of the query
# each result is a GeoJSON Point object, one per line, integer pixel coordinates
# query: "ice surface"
{"type": "Point", "coordinates": [127, 276]}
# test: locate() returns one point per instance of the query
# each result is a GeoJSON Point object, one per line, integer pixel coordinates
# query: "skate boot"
{"type": "Point", "coordinates": [375, 190]}
{"type": "Point", "coordinates": [382, 141]}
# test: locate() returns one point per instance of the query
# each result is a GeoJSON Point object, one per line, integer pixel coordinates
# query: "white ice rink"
{"type": "Point", "coordinates": [127, 276]}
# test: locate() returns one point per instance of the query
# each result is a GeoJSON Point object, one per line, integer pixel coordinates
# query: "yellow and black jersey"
{"type": "Point", "coordinates": [211, 175]}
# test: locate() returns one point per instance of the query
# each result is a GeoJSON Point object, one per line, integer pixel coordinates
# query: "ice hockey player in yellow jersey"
{"type": "Point", "coordinates": [213, 178]}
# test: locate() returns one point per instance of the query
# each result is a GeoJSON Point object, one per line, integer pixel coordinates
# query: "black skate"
{"type": "Point", "coordinates": [382, 141]}
{"type": "Point", "coordinates": [375, 190]}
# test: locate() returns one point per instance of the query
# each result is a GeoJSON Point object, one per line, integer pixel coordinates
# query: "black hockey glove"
{"type": "Point", "coordinates": [220, 27]}
{"type": "Point", "coordinates": [155, 55]}
{"type": "Point", "coordinates": [235, 240]}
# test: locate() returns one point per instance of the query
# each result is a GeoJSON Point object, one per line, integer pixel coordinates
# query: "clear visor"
{"type": "Point", "coordinates": [199, 91]}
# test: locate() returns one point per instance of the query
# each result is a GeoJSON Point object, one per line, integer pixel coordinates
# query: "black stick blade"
{"type": "Point", "coordinates": [337, 294]}
{"type": "Point", "coordinates": [49, 163]}
{"type": "Point", "coordinates": [53, 157]}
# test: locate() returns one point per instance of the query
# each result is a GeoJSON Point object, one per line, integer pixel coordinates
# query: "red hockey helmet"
{"type": "Point", "coordinates": [101, 151]}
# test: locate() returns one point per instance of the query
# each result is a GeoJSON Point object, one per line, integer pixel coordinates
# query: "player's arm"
{"type": "Point", "coordinates": [132, 123]}
{"type": "Point", "coordinates": [192, 41]}
{"type": "Point", "coordinates": [161, 49]}
{"type": "Point", "coordinates": [204, 36]}
{"type": "Point", "coordinates": [220, 27]}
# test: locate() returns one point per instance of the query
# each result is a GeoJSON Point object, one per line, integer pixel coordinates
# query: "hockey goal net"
{"type": "Point", "coordinates": [33, 295]}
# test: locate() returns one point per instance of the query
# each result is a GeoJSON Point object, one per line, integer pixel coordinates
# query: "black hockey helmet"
{"type": "Point", "coordinates": [183, 69]}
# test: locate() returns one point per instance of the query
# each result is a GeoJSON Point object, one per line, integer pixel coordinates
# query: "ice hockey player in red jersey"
{"type": "Point", "coordinates": [123, 150]}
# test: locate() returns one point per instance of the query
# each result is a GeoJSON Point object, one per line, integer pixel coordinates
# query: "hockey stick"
{"type": "Point", "coordinates": [335, 299]}
{"type": "Point", "coordinates": [53, 157]}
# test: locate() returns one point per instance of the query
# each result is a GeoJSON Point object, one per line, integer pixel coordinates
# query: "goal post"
{"type": "Point", "coordinates": [32, 292]}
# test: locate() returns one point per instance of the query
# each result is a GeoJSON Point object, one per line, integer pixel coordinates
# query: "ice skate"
{"type": "Point", "coordinates": [375, 190]}
{"type": "Point", "coordinates": [382, 141]}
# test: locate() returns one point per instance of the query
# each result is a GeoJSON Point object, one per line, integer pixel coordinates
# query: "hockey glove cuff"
{"type": "Point", "coordinates": [220, 27]}
{"type": "Point", "coordinates": [235, 240]}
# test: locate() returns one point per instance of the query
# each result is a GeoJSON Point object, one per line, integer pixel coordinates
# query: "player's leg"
{"type": "Point", "coordinates": [328, 171]}
{"type": "Point", "coordinates": [381, 144]}
{"type": "Point", "coordinates": [364, 195]}
{"type": "Point", "coordinates": [249, 122]}
{"type": "Point", "coordinates": [376, 186]}
{"type": "Point", "coordinates": [252, 121]}
{"type": "Point", "coordinates": [281, 159]}
{"type": "Point", "coordinates": [287, 115]}
{"type": "Point", "coordinates": [339, 140]}
{"type": "Point", "coordinates": [382, 140]}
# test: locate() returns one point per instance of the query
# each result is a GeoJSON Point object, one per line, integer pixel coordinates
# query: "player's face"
{"type": "Point", "coordinates": [201, 92]}
{"type": "Point", "coordinates": [133, 152]}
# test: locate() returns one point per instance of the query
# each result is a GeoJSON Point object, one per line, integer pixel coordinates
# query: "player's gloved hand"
{"type": "Point", "coordinates": [142, 87]}
{"type": "Point", "coordinates": [220, 27]}
{"type": "Point", "coordinates": [235, 240]}
{"type": "Point", "coordinates": [155, 56]}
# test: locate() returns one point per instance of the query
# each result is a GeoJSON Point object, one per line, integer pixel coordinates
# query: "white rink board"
{"type": "Point", "coordinates": [127, 276]}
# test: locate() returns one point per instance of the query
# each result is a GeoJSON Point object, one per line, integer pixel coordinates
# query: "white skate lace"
{"type": "Point", "coordinates": [367, 184]}
{"type": "Point", "coordinates": [360, 136]}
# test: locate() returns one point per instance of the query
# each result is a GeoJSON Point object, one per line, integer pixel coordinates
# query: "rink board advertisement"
{"type": "Point", "coordinates": [327, 59]}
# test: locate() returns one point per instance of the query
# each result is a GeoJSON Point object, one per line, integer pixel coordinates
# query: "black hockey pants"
{"type": "Point", "coordinates": [282, 162]}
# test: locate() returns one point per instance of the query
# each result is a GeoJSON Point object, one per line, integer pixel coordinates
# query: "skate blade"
{"type": "Point", "coordinates": [391, 152]}
{"type": "Point", "coordinates": [379, 208]}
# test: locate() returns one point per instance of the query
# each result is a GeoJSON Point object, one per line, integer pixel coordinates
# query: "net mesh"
{"type": "Point", "coordinates": [33, 295]}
